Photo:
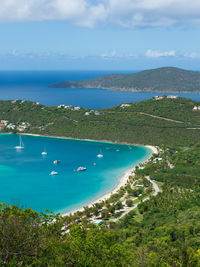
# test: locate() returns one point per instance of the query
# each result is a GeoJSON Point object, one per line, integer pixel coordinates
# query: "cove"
{"type": "Point", "coordinates": [25, 179]}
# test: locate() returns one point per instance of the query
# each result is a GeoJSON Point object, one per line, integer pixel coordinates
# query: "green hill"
{"type": "Point", "coordinates": [166, 79]}
{"type": "Point", "coordinates": [166, 121]}
{"type": "Point", "coordinates": [164, 229]}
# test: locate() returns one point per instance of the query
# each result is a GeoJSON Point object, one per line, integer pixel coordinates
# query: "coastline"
{"type": "Point", "coordinates": [123, 180]}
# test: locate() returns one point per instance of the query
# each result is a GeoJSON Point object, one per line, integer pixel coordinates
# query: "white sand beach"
{"type": "Point", "coordinates": [122, 181]}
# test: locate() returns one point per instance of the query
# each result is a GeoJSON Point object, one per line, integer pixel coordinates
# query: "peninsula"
{"type": "Point", "coordinates": [165, 79]}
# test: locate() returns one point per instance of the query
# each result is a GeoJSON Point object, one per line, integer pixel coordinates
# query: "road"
{"type": "Point", "coordinates": [156, 191]}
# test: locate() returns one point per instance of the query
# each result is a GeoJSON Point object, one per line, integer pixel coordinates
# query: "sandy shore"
{"type": "Point", "coordinates": [122, 181]}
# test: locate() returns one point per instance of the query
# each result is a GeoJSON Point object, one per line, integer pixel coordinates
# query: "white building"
{"type": "Point", "coordinates": [125, 105]}
{"type": "Point", "coordinates": [196, 108]}
{"type": "Point", "coordinates": [11, 126]}
{"type": "Point", "coordinates": [77, 108]}
{"type": "Point", "coordinates": [172, 96]}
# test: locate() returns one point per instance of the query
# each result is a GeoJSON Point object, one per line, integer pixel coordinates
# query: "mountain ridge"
{"type": "Point", "coordinates": [165, 79]}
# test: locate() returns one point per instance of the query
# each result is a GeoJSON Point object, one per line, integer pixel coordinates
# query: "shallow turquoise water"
{"type": "Point", "coordinates": [25, 179]}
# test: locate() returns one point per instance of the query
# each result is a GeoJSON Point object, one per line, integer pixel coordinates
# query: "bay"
{"type": "Point", "coordinates": [25, 179]}
{"type": "Point", "coordinates": [33, 85]}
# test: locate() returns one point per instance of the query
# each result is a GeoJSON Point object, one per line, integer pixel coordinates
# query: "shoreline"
{"type": "Point", "coordinates": [123, 180]}
{"type": "Point", "coordinates": [88, 140]}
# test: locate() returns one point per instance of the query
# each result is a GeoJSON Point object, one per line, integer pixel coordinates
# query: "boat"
{"type": "Point", "coordinates": [21, 145]}
{"type": "Point", "coordinates": [81, 169]}
{"type": "Point", "coordinates": [100, 155]}
{"type": "Point", "coordinates": [44, 153]}
{"type": "Point", "coordinates": [53, 173]}
{"type": "Point", "coordinates": [56, 161]}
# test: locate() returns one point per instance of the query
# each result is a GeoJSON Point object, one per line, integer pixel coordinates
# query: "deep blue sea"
{"type": "Point", "coordinates": [33, 85]}
{"type": "Point", "coordinates": [25, 179]}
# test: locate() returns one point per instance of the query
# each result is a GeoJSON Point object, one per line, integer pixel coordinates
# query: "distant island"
{"type": "Point", "coordinates": [166, 79]}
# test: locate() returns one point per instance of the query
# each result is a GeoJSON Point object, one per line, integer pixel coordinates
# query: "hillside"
{"type": "Point", "coordinates": [166, 121]}
{"type": "Point", "coordinates": [163, 230]}
{"type": "Point", "coordinates": [166, 79]}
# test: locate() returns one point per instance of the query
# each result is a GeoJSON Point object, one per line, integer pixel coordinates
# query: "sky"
{"type": "Point", "coordinates": [99, 34]}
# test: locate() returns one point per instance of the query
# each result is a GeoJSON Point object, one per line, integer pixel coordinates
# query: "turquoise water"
{"type": "Point", "coordinates": [25, 179]}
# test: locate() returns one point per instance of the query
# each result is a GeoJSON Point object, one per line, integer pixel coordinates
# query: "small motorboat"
{"type": "Point", "coordinates": [100, 156]}
{"type": "Point", "coordinates": [44, 153]}
{"type": "Point", "coordinates": [56, 161]}
{"type": "Point", "coordinates": [81, 169]}
{"type": "Point", "coordinates": [53, 173]}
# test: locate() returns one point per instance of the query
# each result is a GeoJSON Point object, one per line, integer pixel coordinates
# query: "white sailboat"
{"type": "Point", "coordinates": [100, 155]}
{"type": "Point", "coordinates": [21, 145]}
{"type": "Point", "coordinates": [44, 152]}
{"type": "Point", "coordinates": [53, 173]}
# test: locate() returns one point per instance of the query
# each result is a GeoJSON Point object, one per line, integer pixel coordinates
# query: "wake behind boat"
{"type": "Point", "coordinates": [21, 145]}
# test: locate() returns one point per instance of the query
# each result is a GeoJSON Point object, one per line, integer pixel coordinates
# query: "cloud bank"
{"type": "Point", "coordinates": [157, 54]}
{"type": "Point", "coordinates": [98, 13]}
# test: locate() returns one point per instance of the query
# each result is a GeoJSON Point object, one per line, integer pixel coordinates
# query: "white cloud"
{"type": "Point", "coordinates": [88, 13]}
{"type": "Point", "coordinates": [111, 54]}
{"type": "Point", "coordinates": [157, 54]}
{"type": "Point", "coordinates": [192, 55]}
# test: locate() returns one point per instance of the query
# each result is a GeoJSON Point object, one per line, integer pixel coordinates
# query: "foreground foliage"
{"type": "Point", "coordinates": [163, 231]}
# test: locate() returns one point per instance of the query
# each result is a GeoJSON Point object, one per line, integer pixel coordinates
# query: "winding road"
{"type": "Point", "coordinates": [156, 191]}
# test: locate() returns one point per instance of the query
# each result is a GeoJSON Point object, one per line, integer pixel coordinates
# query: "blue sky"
{"type": "Point", "coordinates": [99, 34]}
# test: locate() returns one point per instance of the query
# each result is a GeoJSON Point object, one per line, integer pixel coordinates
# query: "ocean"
{"type": "Point", "coordinates": [33, 85]}
{"type": "Point", "coordinates": [25, 174]}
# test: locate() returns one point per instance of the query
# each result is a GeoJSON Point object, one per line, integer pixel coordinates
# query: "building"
{"type": "Point", "coordinates": [124, 105]}
{"type": "Point", "coordinates": [11, 126]}
{"type": "Point", "coordinates": [77, 108]}
{"type": "Point", "coordinates": [157, 97]}
{"type": "Point", "coordinates": [139, 185]}
{"type": "Point", "coordinates": [156, 160]}
{"type": "Point", "coordinates": [196, 108]}
{"type": "Point", "coordinates": [172, 96]}
{"type": "Point", "coordinates": [87, 113]}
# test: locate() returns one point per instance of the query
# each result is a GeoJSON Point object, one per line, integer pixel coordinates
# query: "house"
{"type": "Point", "coordinates": [97, 113]}
{"type": "Point", "coordinates": [172, 96]}
{"type": "Point", "coordinates": [11, 126]}
{"type": "Point", "coordinates": [158, 97]}
{"type": "Point", "coordinates": [141, 168]}
{"type": "Point", "coordinates": [61, 106]}
{"type": "Point", "coordinates": [87, 113]}
{"type": "Point", "coordinates": [156, 160]}
{"type": "Point", "coordinates": [4, 122]}
{"type": "Point", "coordinates": [77, 108]}
{"type": "Point", "coordinates": [139, 185]}
{"type": "Point", "coordinates": [21, 128]}
{"type": "Point", "coordinates": [124, 105]}
{"type": "Point", "coordinates": [196, 108]}
{"type": "Point", "coordinates": [68, 107]}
